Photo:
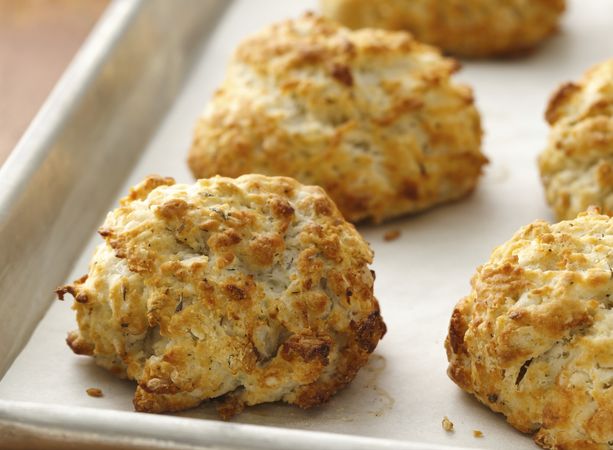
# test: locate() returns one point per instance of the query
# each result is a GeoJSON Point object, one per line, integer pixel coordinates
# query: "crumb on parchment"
{"type": "Point", "coordinates": [94, 392]}
{"type": "Point", "coordinates": [477, 433]}
{"type": "Point", "coordinates": [447, 424]}
{"type": "Point", "coordinates": [391, 235]}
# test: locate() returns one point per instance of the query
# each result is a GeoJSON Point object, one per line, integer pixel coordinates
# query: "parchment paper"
{"type": "Point", "coordinates": [404, 392]}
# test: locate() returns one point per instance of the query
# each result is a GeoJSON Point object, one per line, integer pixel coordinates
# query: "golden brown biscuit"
{"type": "Point", "coordinates": [534, 339]}
{"type": "Point", "coordinates": [471, 28]}
{"type": "Point", "coordinates": [371, 116]}
{"type": "Point", "coordinates": [255, 289]}
{"type": "Point", "coordinates": [577, 165]}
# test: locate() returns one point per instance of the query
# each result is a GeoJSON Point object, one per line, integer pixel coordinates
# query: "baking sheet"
{"type": "Point", "coordinates": [404, 392]}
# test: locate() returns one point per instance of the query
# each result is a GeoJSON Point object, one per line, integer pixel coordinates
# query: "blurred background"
{"type": "Point", "coordinates": [38, 38]}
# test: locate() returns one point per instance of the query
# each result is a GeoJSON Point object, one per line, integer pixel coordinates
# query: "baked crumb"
{"type": "Point", "coordinates": [326, 60]}
{"type": "Point", "coordinates": [494, 324]}
{"type": "Point", "coordinates": [447, 424]}
{"type": "Point", "coordinates": [391, 235]}
{"type": "Point", "coordinates": [503, 27]}
{"type": "Point", "coordinates": [477, 433]}
{"type": "Point", "coordinates": [94, 392]}
{"type": "Point", "coordinates": [246, 226]}
{"type": "Point", "coordinates": [570, 185]}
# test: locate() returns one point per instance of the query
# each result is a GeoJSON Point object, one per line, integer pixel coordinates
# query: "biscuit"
{"type": "Point", "coordinates": [254, 289]}
{"type": "Point", "coordinates": [577, 164]}
{"type": "Point", "coordinates": [470, 28]}
{"type": "Point", "coordinates": [534, 338]}
{"type": "Point", "coordinates": [371, 116]}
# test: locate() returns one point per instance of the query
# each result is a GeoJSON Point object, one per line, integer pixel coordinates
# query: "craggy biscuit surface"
{"type": "Point", "coordinates": [371, 116]}
{"type": "Point", "coordinates": [471, 28]}
{"type": "Point", "coordinates": [255, 289]}
{"type": "Point", "coordinates": [577, 165]}
{"type": "Point", "coordinates": [534, 339]}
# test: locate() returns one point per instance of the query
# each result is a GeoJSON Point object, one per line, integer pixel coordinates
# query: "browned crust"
{"type": "Point", "coordinates": [457, 330]}
{"type": "Point", "coordinates": [370, 331]}
{"type": "Point", "coordinates": [342, 74]}
{"type": "Point", "coordinates": [78, 345]}
{"type": "Point", "coordinates": [558, 100]}
{"type": "Point", "coordinates": [63, 290]}
{"type": "Point", "coordinates": [307, 347]}
{"type": "Point", "coordinates": [230, 406]}
{"type": "Point", "coordinates": [142, 190]}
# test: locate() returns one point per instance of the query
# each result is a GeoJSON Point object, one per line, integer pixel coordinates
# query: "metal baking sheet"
{"type": "Point", "coordinates": [126, 108]}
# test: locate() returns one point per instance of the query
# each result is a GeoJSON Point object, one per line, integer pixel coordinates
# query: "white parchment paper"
{"type": "Point", "coordinates": [404, 392]}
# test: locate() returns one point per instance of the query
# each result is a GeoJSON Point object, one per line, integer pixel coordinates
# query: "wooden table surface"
{"type": "Point", "coordinates": [38, 38]}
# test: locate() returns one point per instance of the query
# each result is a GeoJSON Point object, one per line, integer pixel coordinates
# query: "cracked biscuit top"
{"type": "Point", "coordinates": [372, 116]}
{"type": "Point", "coordinates": [577, 165]}
{"type": "Point", "coordinates": [471, 28]}
{"type": "Point", "coordinates": [534, 339]}
{"type": "Point", "coordinates": [255, 289]}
